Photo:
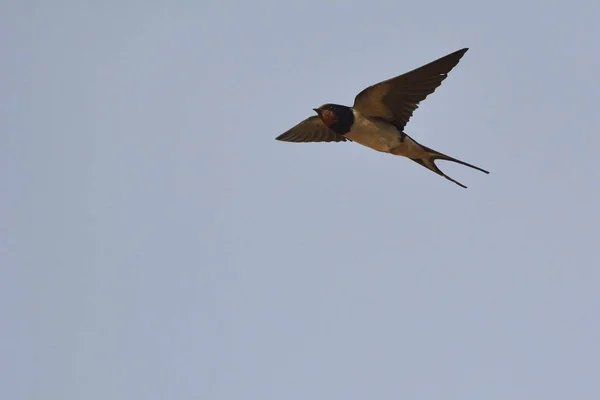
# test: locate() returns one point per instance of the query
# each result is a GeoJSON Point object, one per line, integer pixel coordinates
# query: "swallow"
{"type": "Point", "coordinates": [379, 116]}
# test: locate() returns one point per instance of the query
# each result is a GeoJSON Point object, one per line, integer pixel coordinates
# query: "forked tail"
{"type": "Point", "coordinates": [428, 162]}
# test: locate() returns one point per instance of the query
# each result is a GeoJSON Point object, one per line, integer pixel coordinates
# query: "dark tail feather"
{"type": "Point", "coordinates": [433, 155]}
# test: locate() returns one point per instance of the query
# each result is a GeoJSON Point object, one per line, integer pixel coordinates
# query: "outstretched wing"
{"type": "Point", "coordinates": [311, 129]}
{"type": "Point", "coordinates": [395, 99]}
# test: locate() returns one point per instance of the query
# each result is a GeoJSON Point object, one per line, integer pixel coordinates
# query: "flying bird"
{"type": "Point", "coordinates": [379, 115]}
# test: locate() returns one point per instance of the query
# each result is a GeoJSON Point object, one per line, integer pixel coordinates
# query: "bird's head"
{"type": "Point", "coordinates": [330, 113]}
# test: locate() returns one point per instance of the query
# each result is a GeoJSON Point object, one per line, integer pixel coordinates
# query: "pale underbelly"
{"type": "Point", "coordinates": [409, 148]}
{"type": "Point", "coordinates": [375, 139]}
{"type": "Point", "coordinates": [387, 141]}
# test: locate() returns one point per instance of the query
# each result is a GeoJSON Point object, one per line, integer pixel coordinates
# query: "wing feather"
{"type": "Point", "coordinates": [397, 98]}
{"type": "Point", "coordinates": [311, 129]}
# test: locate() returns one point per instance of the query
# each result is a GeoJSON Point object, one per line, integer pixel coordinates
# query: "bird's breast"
{"type": "Point", "coordinates": [376, 134]}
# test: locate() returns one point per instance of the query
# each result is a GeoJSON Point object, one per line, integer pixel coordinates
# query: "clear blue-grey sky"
{"type": "Point", "coordinates": [158, 243]}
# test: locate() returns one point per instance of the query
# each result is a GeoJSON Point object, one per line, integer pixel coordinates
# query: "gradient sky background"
{"type": "Point", "coordinates": [158, 243]}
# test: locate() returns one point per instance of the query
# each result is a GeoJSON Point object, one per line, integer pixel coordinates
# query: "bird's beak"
{"type": "Point", "coordinates": [316, 110]}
